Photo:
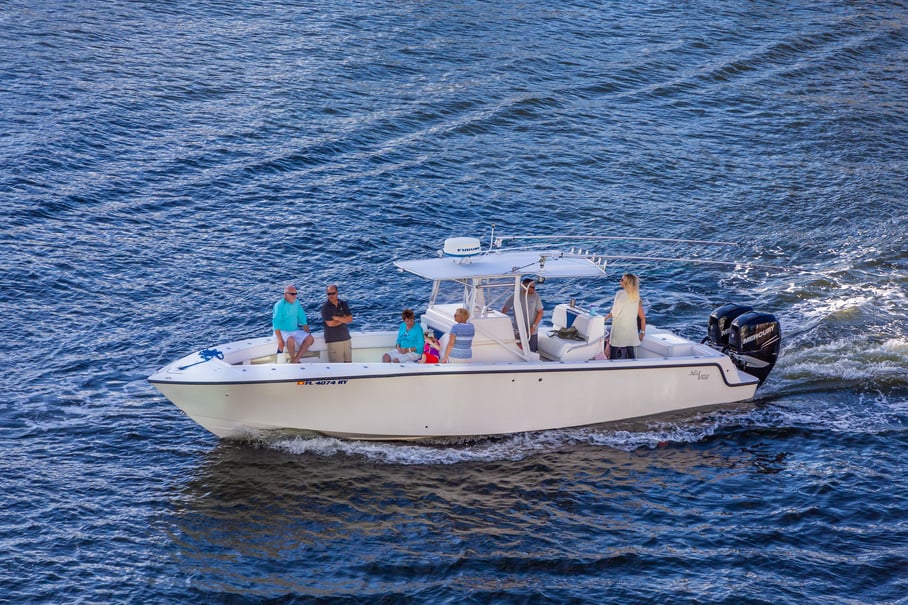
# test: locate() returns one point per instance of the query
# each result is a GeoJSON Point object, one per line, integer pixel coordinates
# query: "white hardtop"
{"type": "Point", "coordinates": [506, 263]}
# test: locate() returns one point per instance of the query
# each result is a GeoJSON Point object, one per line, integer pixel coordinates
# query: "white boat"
{"type": "Point", "coordinates": [241, 389]}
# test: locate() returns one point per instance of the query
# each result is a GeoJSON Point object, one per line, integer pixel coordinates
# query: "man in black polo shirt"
{"type": "Point", "coordinates": [336, 315]}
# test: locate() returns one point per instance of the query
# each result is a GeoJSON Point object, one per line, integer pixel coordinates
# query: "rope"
{"type": "Point", "coordinates": [206, 355]}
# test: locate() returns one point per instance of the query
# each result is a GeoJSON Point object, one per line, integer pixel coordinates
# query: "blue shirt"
{"type": "Point", "coordinates": [412, 339]}
{"type": "Point", "coordinates": [288, 317]}
{"type": "Point", "coordinates": [463, 341]}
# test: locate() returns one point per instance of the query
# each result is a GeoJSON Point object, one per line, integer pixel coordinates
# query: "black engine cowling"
{"type": "Point", "coordinates": [752, 339]}
{"type": "Point", "coordinates": [720, 323]}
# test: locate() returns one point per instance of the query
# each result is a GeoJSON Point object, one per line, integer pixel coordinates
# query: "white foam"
{"type": "Point", "coordinates": [648, 435]}
{"type": "Point", "coordinates": [872, 413]}
{"type": "Point", "coordinates": [846, 359]}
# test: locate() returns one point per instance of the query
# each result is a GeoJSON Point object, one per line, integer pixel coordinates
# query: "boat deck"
{"type": "Point", "coordinates": [368, 347]}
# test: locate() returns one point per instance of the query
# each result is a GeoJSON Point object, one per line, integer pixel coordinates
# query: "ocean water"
{"type": "Point", "coordinates": [168, 166]}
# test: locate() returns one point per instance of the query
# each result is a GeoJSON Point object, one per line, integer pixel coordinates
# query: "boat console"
{"type": "Point", "coordinates": [494, 339]}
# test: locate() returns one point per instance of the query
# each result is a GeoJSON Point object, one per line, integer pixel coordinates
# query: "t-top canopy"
{"type": "Point", "coordinates": [541, 263]}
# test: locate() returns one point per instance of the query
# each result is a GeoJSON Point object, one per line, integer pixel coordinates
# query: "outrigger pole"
{"type": "Point", "coordinates": [499, 241]}
{"type": "Point", "coordinates": [700, 261]}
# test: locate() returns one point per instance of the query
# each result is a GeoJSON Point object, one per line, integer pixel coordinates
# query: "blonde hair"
{"type": "Point", "coordinates": [463, 312]}
{"type": "Point", "coordinates": [631, 286]}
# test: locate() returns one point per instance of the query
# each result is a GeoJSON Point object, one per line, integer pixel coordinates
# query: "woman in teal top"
{"type": "Point", "coordinates": [410, 340]}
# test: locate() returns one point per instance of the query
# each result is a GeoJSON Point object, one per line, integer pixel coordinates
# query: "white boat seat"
{"type": "Point", "coordinates": [591, 328]}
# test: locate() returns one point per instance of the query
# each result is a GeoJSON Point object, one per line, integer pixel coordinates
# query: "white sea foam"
{"type": "Point", "coordinates": [627, 437]}
{"type": "Point", "coordinates": [864, 359]}
{"type": "Point", "coordinates": [875, 412]}
{"type": "Point", "coordinates": [513, 447]}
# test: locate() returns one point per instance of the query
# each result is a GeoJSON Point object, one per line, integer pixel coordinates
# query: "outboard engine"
{"type": "Point", "coordinates": [752, 339]}
{"type": "Point", "coordinates": [754, 343]}
{"type": "Point", "coordinates": [720, 323]}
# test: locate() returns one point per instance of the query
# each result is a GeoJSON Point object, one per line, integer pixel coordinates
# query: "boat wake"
{"type": "Point", "coordinates": [818, 408]}
{"type": "Point", "coordinates": [848, 363]}
{"type": "Point", "coordinates": [626, 436]}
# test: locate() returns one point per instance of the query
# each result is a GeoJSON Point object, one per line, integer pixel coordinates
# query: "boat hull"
{"type": "Point", "coordinates": [410, 401]}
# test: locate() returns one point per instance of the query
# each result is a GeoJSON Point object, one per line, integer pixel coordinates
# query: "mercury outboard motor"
{"type": "Point", "coordinates": [752, 339]}
{"type": "Point", "coordinates": [754, 343]}
{"type": "Point", "coordinates": [720, 324]}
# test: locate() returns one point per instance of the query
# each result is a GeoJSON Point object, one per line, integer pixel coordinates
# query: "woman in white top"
{"type": "Point", "coordinates": [627, 331]}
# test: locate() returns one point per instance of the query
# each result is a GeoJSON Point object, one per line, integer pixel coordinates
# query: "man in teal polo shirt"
{"type": "Point", "coordinates": [291, 326]}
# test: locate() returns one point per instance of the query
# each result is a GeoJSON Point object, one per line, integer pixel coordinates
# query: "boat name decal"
{"type": "Point", "coordinates": [699, 374]}
{"type": "Point", "coordinates": [321, 382]}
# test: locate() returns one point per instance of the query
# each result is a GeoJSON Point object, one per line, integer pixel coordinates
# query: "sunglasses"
{"type": "Point", "coordinates": [332, 293]}
{"type": "Point", "coordinates": [290, 293]}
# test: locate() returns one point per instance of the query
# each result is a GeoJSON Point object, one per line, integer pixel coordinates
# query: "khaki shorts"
{"type": "Point", "coordinates": [340, 352]}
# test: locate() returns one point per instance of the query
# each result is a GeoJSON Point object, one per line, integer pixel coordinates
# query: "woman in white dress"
{"type": "Point", "coordinates": [628, 319]}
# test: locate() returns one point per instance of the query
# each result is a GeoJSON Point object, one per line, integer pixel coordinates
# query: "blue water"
{"type": "Point", "coordinates": [167, 167]}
